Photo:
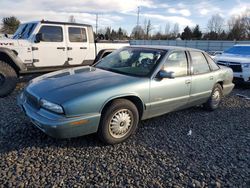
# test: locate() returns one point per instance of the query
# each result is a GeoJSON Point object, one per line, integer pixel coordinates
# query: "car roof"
{"type": "Point", "coordinates": [162, 47]}
{"type": "Point", "coordinates": [59, 23]}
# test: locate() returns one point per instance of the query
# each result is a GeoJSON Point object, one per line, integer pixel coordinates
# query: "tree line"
{"type": "Point", "coordinates": [236, 28]}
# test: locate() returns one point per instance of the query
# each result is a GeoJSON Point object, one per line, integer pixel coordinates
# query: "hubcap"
{"type": "Point", "coordinates": [216, 98]}
{"type": "Point", "coordinates": [121, 123]}
{"type": "Point", "coordinates": [2, 79]}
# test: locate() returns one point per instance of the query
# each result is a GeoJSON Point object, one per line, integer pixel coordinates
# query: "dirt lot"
{"type": "Point", "coordinates": [161, 154]}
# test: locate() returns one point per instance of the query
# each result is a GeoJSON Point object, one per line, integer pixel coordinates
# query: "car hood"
{"type": "Point", "coordinates": [67, 84]}
{"type": "Point", "coordinates": [233, 58]}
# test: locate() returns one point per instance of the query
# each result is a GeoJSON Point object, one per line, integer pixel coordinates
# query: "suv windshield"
{"type": "Point", "coordinates": [24, 31]}
{"type": "Point", "coordinates": [132, 61]}
{"type": "Point", "coordinates": [240, 50]}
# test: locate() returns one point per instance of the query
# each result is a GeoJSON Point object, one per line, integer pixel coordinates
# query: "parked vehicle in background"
{"type": "Point", "coordinates": [132, 83]}
{"type": "Point", "coordinates": [237, 58]}
{"type": "Point", "coordinates": [214, 53]}
{"type": "Point", "coordinates": [44, 46]}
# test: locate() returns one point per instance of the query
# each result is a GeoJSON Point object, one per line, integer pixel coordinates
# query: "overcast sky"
{"type": "Point", "coordinates": [123, 13]}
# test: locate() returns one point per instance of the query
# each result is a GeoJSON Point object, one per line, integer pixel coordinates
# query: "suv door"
{"type": "Point", "coordinates": [77, 45]}
{"type": "Point", "coordinates": [170, 94]}
{"type": "Point", "coordinates": [202, 78]}
{"type": "Point", "coordinates": [52, 50]}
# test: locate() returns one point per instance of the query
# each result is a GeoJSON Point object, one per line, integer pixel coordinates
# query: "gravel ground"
{"type": "Point", "coordinates": [161, 154]}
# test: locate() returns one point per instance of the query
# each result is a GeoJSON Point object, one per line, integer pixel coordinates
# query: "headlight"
{"type": "Point", "coordinates": [245, 65]}
{"type": "Point", "coordinates": [51, 106]}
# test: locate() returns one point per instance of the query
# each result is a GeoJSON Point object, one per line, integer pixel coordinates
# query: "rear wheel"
{"type": "Point", "coordinates": [119, 121]}
{"type": "Point", "coordinates": [8, 79]}
{"type": "Point", "coordinates": [215, 98]}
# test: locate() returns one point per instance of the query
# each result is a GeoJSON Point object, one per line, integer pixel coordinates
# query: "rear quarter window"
{"type": "Point", "coordinates": [211, 63]}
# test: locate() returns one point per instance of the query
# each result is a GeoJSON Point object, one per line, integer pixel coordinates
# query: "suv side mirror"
{"type": "Point", "coordinates": [165, 74]}
{"type": "Point", "coordinates": [39, 37]}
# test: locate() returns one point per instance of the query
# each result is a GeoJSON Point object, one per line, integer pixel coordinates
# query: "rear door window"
{"type": "Point", "coordinates": [199, 62]}
{"type": "Point", "coordinates": [77, 34]}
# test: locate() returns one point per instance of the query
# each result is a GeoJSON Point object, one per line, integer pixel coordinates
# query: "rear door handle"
{"type": "Point", "coordinates": [61, 48]}
{"type": "Point", "coordinates": [211, 78]}
{"type": "Point", "coordinates": [82, 48]}
{"type": "Point", "coordinates": [187, 81]}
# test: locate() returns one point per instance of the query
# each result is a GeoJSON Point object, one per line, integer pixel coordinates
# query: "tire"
{"type": "Point", "coordinates": [8, 79]}
{"type": "Point", "coordinates": [119, 121]}
{"type": "Point", "coordinates": [215, 98]}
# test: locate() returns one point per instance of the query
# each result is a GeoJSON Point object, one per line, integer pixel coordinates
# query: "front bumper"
{"type": "Point", "coordinates": [58, 126]}
{"type": "Point", "coordinates": [241, 77]}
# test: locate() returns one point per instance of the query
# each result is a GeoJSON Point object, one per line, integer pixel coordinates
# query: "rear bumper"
{"type": "Point", "coordinates": [227, 89]}
{"type": "Point", "coordinates": [59, 126]}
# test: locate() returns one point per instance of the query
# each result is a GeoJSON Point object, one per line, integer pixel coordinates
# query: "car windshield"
{"type": "Point", "coordinates": [24, 31]}
{"type": "Point", "coordinates": [132, 61]}
{"type": "Point", "coordinates": [240, 50]}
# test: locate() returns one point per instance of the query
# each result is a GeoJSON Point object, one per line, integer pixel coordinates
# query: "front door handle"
{"type": "Point", "coordinates": [211, 78]}
{"type": "Point", "coordinates": [187, 81]}
{"type": "Point", "coordinates": [82, 48]}
{"type": "Point", "coordinates": [61, 48]}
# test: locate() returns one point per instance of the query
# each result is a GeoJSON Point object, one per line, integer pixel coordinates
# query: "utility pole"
{"type": "Point", "coordinates": [138, 16]}
{"type": "Point", "coordinates": [137, 32]}
{"type": "Point", "coordinates": [96, 23]}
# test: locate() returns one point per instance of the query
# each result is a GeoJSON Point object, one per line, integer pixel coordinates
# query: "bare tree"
{"type": "Point", "coordinates": [147, 28]}
{"type": "Point", "coordinates": [215, 24]}
{"type": "Point", "coordinates": [137, 32]}
{"type": "Point", "coordinates": [176, 30]}
{"type": "Point", "coordinates": [246, 21]}
{"type": "Point", "coordinates": [238, 27]}
{"type": "Point", "coordinates": [167, 28]}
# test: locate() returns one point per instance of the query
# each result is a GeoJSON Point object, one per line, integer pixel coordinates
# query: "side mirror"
{"type": "Point", "coordinates": [39, 37]}
{"type": "Point", "coordinates": [165, 74]}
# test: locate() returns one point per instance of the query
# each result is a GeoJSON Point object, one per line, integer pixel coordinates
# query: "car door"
{"type": "Point", "coordinates": [77, 45]}
{"type": "Point", "coordinates": [170, 94]}
{"type": "Point", "coordinates": [202, 79]}
{"type": "Point", "coordinates": [52, 50]}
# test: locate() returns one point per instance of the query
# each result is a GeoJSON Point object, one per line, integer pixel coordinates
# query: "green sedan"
{"type": "Point", "coordinates": [131, 84]}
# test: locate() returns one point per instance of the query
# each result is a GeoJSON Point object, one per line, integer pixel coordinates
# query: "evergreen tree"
{"type": "Point", "coordinates": [10, 25]}
{"type": "Point", "coordinates": [186, 34]}
{"type": "Point", "coordinates": [197, 34]}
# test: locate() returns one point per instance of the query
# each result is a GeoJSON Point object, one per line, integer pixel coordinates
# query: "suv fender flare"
{"type": "Point", "coordinates": [15, 61]}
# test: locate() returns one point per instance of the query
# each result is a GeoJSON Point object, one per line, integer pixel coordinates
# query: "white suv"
{"type": "Point", "coordinates": [238, 59]}
{"type": "Point", "coordinates": [44, 46]}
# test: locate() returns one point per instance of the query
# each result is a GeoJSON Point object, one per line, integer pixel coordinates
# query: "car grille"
{"type": "Point", "coordinates": [32, 100]}
{"type": "Point", "coordinates": [236, 67]}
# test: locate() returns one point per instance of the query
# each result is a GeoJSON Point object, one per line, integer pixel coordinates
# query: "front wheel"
{"type": "Point", "coordinates": [119, 121]}
{"type": "Point", "coordinates": [215, 98]}
{"type": "Point", "coordinates": [8, 79]}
